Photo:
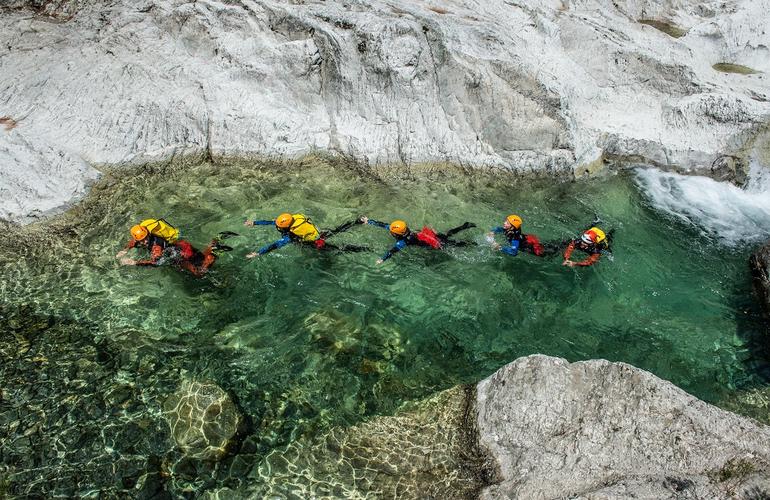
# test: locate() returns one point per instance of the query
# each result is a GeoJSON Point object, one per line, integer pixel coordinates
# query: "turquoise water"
{"type": "Point", "coordinates": [308, 340]}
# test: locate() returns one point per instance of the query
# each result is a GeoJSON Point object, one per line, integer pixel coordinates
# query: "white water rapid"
{"type": "Point", "coordinates": [733, 215]}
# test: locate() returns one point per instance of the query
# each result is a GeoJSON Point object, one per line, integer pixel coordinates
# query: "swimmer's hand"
{"type": "Point", "coordinates": [127, 262]}
{"type": "Point", "coordinates": [248, 223]}
{"type": "Point", "coordinates": [379, 261]}
{"type": "Point", "coordinates": [251, 255]}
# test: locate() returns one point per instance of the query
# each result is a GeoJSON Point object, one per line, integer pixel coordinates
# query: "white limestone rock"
{"type": "Point", "coordinates": [37, 178]}
{"type": "Point", "coordinates": [546, 87]}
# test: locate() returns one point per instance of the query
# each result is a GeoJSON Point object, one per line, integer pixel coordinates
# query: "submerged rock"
{"type": "Point", "coordinates": [428, 450]}
{"type": "Point", "coordinates": [204, 420]}
{"type": "Point", "coordinates": [608, 430]}
{"type": "Point", "coordinates": [530, 86]}
{"type": "Point", "coordinates": [760, 269]}
{"type": "Point", "coordinates": [74, 418]}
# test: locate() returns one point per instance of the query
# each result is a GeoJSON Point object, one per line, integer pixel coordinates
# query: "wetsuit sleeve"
{"type": "Point", "coordinates": [156, 252]}
{"type": "Point", "coordinates": [379, 224]}
{"type": "Point", "coordinates": [590, 260]}
{"type": "Point", "coordinates": [400, 244]}
{"type": "Point", "coordinates": [273, 246]}
{"type": "Point", "coordinates": [131, 244]}
{"type": "Point", "coordinates": [498, 230]}
{"type": "Point", "coordinates": [513, 249]}
{"type": "Point", "coordinates": [568, 251]}
{"type": "Point", "coordinates": [263, 222]}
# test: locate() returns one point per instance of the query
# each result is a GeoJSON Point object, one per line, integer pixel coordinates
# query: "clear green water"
{"type": "Point", "coordinates": [307, 341]}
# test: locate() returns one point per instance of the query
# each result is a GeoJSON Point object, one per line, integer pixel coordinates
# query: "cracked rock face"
{"type": "Point", "coordinates": [760, 268]}
{"type": "Point", "coordinates": [597, 429]}
{"type": "Point", "coordinates": [543, 87]}
{"type": "Point", "coordinates": [204, 419]}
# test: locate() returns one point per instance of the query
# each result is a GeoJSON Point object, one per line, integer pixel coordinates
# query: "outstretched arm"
{"type": "Point", "coordinates": [131, 244]}
{"type": "Point", "coordinates": [367, 220]}
{"type": "Point", "coordinates": [156, 252]}
{"type": "Point", "coordinates": [272, 246]}
{"type": "Point", "coordinates": [400, 244]}
{"type": "Point", "coordinates": [250, 223]}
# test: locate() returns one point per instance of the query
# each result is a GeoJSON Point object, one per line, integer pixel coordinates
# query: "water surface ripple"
{"type": "Point", "coordinates": [308, 341]}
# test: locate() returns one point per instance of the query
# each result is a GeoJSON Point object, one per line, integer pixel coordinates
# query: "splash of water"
{"type": "Point", "coordinates": [731, 215]}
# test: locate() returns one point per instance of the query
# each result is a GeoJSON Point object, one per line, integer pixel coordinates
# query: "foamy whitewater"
{"type": "Point", "coordinates": [720, 210]}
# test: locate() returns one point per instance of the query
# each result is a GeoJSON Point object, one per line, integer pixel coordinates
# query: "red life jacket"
{"type": "Point", "coordinates": [429, 237]}
{"type": "Point", "coordinates": [186, 250]}
{"type": "Point", "coordinates": [534, 243]}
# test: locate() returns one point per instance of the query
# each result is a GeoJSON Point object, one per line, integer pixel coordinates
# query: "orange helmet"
{"type": "Point", "coordinates": [284, 221]}
{"type": "Point", "coordinates": [514, 220]}
{"type": "Point", "coordinates": [589, 237]}
{"type": "Point", "coordinates": [398, 227]}
{"type": "Point", "coordinates": [139, 232]}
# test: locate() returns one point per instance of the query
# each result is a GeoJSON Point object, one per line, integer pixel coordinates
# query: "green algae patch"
{"type": "Point", "coordinates": [736, 468]}
{"type": "Point", "coordinates": [734, 68]}
{"type": "Point", "coordinates": [312, 344]}
{"type": "Point", "coordinates": [667, 28]}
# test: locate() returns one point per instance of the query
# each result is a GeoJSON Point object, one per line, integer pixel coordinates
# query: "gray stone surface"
{"type": "Point", "coordinates": [760, 269]}
{"type": "Point", "coordinates": [549, 87]}
{"type": "Point", "coordinates": [598, 429]}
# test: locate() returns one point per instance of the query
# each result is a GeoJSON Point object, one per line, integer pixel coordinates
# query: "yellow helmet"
{"type": "Point", "coordinates": [139, 232]}
{"type": "Point", "coordinates": [514, 220]}
{"type": "Point", "coordinates": [284, 221]}
{"type": "Point", "coordinates": [594, 235]}
{"type": "Point", "coordinates": [398, 227]}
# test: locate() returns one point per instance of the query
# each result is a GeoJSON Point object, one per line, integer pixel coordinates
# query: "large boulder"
{"type": "Point", "coordinates": [553, 87]}
{"type": "Point", "coordinates": [760, 269]}
{"type": "Point", "coordinates": [597, 429]}
{"type": "Point", "coordinates": [204, 420]}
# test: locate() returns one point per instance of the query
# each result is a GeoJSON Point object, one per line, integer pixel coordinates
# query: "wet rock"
{"type": "Point", "coordinates": [609, 430]}
{"type": "Point", "coordinates": [760, 269]}
{"type": "Point", "coordinates": [730, 169]}
{"type": "Point", "coordinates": [204, 420]}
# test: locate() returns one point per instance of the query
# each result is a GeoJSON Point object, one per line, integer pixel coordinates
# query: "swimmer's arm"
{"type": "Point", "coordinates": [259, 223]}
{"type": "Point", "coordinates": [591, 260]}
{"type": "Point", "coordinates": [512, 249]}
{"type": "Point", "coordinates": [275, 245]}
{"type": "Point", "coordinates": [155, 254]}
{"type": "Point", "coordinates": [131, 244]}
{"type": "Point", "coordinates": [400, 244]}
{"type": "Point", "coordinates": [377, 223]}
